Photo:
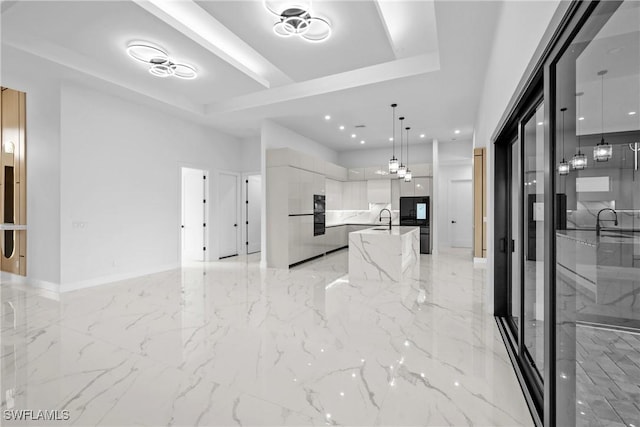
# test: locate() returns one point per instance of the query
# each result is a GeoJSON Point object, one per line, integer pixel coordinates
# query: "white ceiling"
{"type": "Point", "coordinates": [428, 57]}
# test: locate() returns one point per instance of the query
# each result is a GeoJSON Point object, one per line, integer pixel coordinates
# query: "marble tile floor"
{"type": "Point", "coordinates": [607, 377]}
{"type": "Point", "coordinates": [229, 343]}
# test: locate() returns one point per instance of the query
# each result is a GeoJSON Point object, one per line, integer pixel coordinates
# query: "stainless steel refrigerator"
{"type": "Point", "coordinates": [414, 211]}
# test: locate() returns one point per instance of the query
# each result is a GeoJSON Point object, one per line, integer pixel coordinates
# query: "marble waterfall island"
{"type": "Point", "coordinates": [381, 254]}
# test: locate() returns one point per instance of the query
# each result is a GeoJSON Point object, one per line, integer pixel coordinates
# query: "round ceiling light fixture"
{"type": "Point", "coordinates": [160, 65]}
{"type": "Point", "coordinates": [295, 20]}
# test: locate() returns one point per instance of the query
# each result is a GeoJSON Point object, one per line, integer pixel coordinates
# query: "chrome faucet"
{"type": "Point", "coordinates": [598, 228]}
{"type": "Point", "coordinates": [380, 218]}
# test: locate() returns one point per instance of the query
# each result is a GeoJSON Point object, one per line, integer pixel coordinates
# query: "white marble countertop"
{"type": "Point", "coordinates": [606, 236]}
{"type": "Point", "coordinates": [384, 230]}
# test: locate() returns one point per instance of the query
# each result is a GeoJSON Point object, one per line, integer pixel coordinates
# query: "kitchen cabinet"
{"type": "Point", "coordinates": [336, 238]}
{"type": "Point", "coordinates": [335, 172]}
{"type": "Point", "coordinates": [407, 189]}
{"type": "Point", "coordinates": [354, 195]}
{"type": "Point", "coordinates": [302, 243]}
{"type": "Point", "coordinates": [302, 185]}
{"type": "Point", "coordinates": [379, 191]}
{"type": "Point", "coordinates": [395, 194]}
{"type": "Point", "coordinates": [334, 194]}
{"type": "Point", "coordinates": [355, 174]}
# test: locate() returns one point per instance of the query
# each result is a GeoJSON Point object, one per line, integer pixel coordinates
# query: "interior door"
{"type": "Point", "coordinates": [228, 188]}
{"type": "Point", "coordinates": [193, 214]}
{"type": "Point", "coordinates": [253, 192]}
{"type": "Point", "coordinates": [460, 210]}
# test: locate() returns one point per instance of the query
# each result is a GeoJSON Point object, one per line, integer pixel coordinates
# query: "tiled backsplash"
{"type": "Point", "coordinates": [362, 217]}
{"type": "Point", "coordinates": [585, 216]}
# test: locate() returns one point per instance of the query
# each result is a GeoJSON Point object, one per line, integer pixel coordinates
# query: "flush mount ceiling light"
{"type": "Point", "coordinates": [295, 20]}
{"type": "Point", "coordinates": [160, 65]}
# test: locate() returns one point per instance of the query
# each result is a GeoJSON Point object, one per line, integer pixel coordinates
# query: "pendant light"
{"type": "Point", "coordinates": [579, 160]}
{"type": "Point", "coordinates": [603, 151]}
{"type": "Point", "coordinates": [407, 175]}
{"type": "Point", "coordinates": [393, 163]}
{"type": "Point", "coordinates": [402, 169]}
{"type": "Point", "coordinates": [563, 166]}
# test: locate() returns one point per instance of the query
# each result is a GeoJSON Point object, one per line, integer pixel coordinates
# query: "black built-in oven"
{"type": "Point", "coordinates": [318, 214]}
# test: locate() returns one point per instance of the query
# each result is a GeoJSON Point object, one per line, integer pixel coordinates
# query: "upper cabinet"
{"type": "Point", "coordinates": [354, 195]}
{"type": "Point", "coordinates": [355, 174]}
{"type": "Point", "coordinates": [302, 185]}
{"type": "Point", "coordinates": [417, 187]}
{"type": "Point", "coordinates": [334, 194]}
{"type": "Point", "coordinates": [379, 191]}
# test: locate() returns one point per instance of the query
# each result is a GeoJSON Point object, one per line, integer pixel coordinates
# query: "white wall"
{"type": "Point", "coordinates": [250, 154]}
{"type": "Point", "coordinates": [419, 153]}
{"type": "Point", "coordinates": [120, 182]}
{"type": "Point", "coordinates": [455, 151]}
{"type": "Point", "coordinates": [20, 72]}
{"type": "Point", "coordinates": [521, 27]}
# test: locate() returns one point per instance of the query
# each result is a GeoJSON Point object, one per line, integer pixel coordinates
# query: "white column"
{"type": "Point", "coordinates": [435, 199]}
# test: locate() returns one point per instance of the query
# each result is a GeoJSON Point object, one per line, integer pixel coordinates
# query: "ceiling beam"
{"type": "Point", "coordinates": [392, 70]}
{"type": "Point", "coordinates": [196, 23]}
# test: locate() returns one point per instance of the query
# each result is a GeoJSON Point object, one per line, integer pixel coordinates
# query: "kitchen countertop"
{"type": "Point", "coordinates": [589, 237]}
{"type": "Point", "coordinates": [395, 231]}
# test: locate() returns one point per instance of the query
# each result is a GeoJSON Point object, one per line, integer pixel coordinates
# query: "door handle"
{"type": "Point", "coordinates": [453, 222]}
{"type": "Point", "coordinates": [503, 244]}
{"type": "Point", "coordinates": [235, 225]}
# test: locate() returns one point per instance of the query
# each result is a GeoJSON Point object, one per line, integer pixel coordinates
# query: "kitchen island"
{"type": "Point", "coordinates": [381, 254]}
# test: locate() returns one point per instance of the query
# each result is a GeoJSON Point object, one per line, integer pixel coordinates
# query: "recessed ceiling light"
{"type": "Point", "coordinates": [341, 127]}
{"type": "Point", "coordinates": [540, 123]}
{"type": "Point", "coordinates": [457, 131]}
{"type": "Point", "coordinates": [362, 142]}
{"type": "Point", "coordinates": [391, 139]}
{"type": "Point", "coordinates": [160, 65]}
{"type": "Point", "coordinates": [580, 118]}
{"type": "Point", "coordinates": [422, 135]}
{"type": "Point", "coordinates": [632, 113]}
{"type": "Point", "coordinates": [327, 117]}
{"type": "Point", "coordinates": [353, 135]}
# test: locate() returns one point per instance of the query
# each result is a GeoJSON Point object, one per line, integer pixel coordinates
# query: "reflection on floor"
{"type": "Point", "coordinates": [228, 343]}
{"type": "Point", "coordinates": [608, 377]}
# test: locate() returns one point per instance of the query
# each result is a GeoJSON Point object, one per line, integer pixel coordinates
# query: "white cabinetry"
{"type": "Point", "coordinates": [355, 174]}
{"type": "Point", "coordinates": [395, 194]}
{"type": "Point", "coordinates": [422, 186]}
{"type": "Point", "coordinates": [334, 194]}
{"type": "Point", "coordinates": [379, 191]}
{"type": "Point", "coordinates": [336, 237]}
{"type": "Point", "coordinates": [354, 195]}
{"type": "Point", "coordinates": [302, 185]}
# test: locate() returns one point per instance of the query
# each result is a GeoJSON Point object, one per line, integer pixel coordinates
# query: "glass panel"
{"type": "Point", "coordinates": [8, 194]}
{"type": "Point", "coordinates": [597, 236]}
{"type": "Point", "coordinates": [514, 245]}
{"type": "Point", "coordinates": [533, 263]}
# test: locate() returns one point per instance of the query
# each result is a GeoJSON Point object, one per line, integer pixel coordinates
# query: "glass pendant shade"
{"type": "Point", "coordinates": [393, 165]}
{"type": "Point", "coordinates": [602, 152]}
{"type": "Point", "coordinates": [407, 176]}
{"type": "Point", "coordinates": [563, 167]}
{"type": "Point", "coordinates": [579, 161]}
{"type": "Point", "coordinates": [402, 171]}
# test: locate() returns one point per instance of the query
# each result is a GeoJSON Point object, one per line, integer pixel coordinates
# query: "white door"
{"type": "Point", "coordinates": [461, 213]}
{"type": "Point", "coordinates": [253, 184]}
{"type": "Point", "coordinates": [228, 209]}
{"type": "Point", "coordinates": [193, 214]}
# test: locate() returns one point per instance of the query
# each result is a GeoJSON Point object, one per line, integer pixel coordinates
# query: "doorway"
{"type": "Point", "coordinates": [228, 208]}
{"type": "Point", "coordinates": [193, 214]}
{"type": "Point", "coordinates": [251, 198]}
{"type": "Point", "coordinates": [460, 211]}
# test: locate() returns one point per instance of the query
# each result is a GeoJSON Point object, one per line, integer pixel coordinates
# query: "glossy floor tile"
{"type": "Point", "coordinates": [228, 343]}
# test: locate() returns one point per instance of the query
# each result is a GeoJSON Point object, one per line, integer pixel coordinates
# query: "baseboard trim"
{"type": "Point", "coordinates": [44, 285]}
{"type": "Point", "coordinates": [83, 284]}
